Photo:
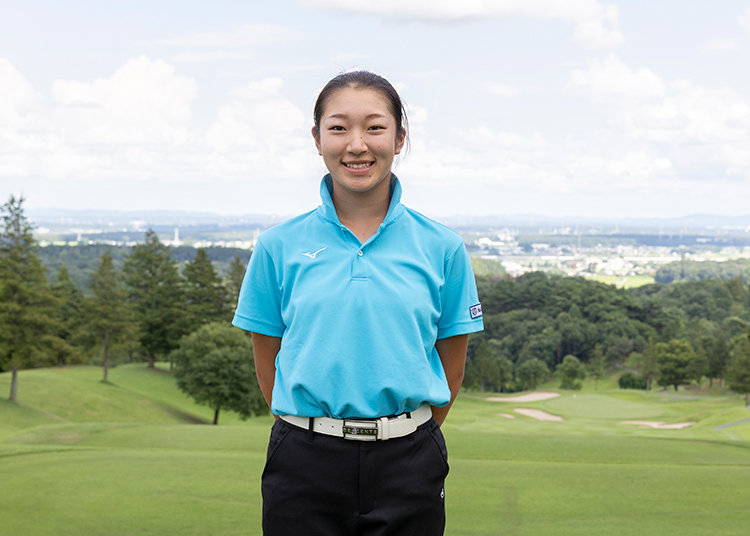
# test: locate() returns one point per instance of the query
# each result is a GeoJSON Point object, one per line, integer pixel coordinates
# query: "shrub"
{"type": "Point", "coordinates": [631, 381]}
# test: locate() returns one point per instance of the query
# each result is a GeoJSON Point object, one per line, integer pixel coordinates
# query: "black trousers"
{"type": "Point", "coordinates": [318, 485]}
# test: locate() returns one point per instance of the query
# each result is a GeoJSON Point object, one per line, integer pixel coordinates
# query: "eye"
{"type": "Point", "coordinates": [337, 128]}
{"type": "Point", "coordinates": [377, 127]}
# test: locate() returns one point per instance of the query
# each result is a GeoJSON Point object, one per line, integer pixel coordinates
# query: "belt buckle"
{"type": "Point", "coordinates": [360, 430]}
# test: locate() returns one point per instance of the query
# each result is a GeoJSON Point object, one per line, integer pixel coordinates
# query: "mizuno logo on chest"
{"type": "Point", "coordinates": [313, 255]}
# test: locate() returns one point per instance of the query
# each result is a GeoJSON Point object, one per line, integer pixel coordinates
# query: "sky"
{"type": "Point", "coordinates": [582, 108]}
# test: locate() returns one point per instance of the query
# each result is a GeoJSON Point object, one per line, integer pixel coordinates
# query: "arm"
{"type": "Point", "coordinates": [265, 349]}
{"type": "Point", "coordinates": [452, 352]}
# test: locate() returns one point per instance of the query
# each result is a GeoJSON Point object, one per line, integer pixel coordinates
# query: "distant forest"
{"type": "Point", "coordinates": [671, 334]}
{"type": "Point", "coordinates": [82, 260]}
{"type": "Point", "coordinates": [99, 303]}
{"type": "Point", "coordinates": [686, 270]}
{"type": "Point", "coordinates": [696, 312]}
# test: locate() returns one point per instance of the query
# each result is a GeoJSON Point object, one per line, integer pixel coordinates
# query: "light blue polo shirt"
{"type": "Point", "coordinates": [358, 322]}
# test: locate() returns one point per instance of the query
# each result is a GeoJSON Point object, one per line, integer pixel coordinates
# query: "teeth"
{"type": "Point", "coordinates": [358, 166]}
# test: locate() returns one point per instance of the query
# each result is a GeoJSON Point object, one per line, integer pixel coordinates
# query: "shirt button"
{"type": "Point", "coordinates": [360, 253]}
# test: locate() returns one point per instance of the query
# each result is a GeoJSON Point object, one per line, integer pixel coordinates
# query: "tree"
{"type": "Point", "coordinates": [645, 363]}
{"type": "Point", "coordinates": [234, 278]}
{"type": "Point", "coordinates": [109, 313]}
{"type": "Point", "coordinates": [628, 380]}
{"type": "Point", "coordinates": [738, 371]}
{"type": "Point", "coordinates": [25, 297]}
{"type": "Point", "coordinates": [532, 372]}
{"type": "Point", "coordinates": [698, 365]}
{"type": "Point", "coordinates": [214, 365]}
{"type": "Point", "coordinates": [597, 365]}
{"type": "Point", "coordinates": [503, 366]}
{"type": "Point", "coordinates": [482, 369]}
{"type": "Point", "coordinates": [69, 312]}
{"type": "Point", "coordinates": [718, 356]}
{"type": "Point", "coordinates": [542, 346]}
{"type": "Point", "coordinates": [571, 371]}
{"type": "Point", "coordinates": [650, 367]}
{"type": "Point", "coordinates": [155, 289]}
{"type": "Point", "coordinates": [674, 361]}
{"type": "Point", "coordinates": [206, 297]}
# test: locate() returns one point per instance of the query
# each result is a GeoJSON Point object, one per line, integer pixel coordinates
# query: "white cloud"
{"type": "Point", "coordinates": [260, 132]}
{"type": "Point", "coordinates": [719, 46]}
{"type": "Point", "coordinates": [24, 128]}
{"type": "Point", "coordinates": [744, 20]}
{"type": "Point", "coordinates": [690, 114]}
{"type": "Point", "coordinates": [598, 33]}
{"type": "Point", "coordinates": [595, 23]}
{"type": "Point", "coordinates": [572, 10]}
{"type": "Point", "coordinates": [612, 77]}
{"type": "Point", "coordinates": [18, 96]}
{"type": "Point", "coordinates": [262, 89]}
{"type": "Point", "coordinates": [143, 101]}
{"type": "Point", "coordinates": [702, 132]}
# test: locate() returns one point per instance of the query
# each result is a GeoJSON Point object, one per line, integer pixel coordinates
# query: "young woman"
{"type": "Point", "coordinates": [360, 313]}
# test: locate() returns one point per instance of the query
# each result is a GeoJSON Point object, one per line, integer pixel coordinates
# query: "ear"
{"type": "Point", "coordinates": [400, 139]}
{"type": "Point", "coordinates": [316, 137]}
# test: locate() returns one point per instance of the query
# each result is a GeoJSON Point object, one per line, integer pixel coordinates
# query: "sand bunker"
{"type": "Point", "coordinates": [660, 425]}
{"type": "Point", "coordinates": [538, 414]}
{"type": "Point", "coordinates": [529, 397]}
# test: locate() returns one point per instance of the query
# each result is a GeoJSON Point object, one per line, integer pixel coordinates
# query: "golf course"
{"type": "Point", "coordinates": [135, 456]}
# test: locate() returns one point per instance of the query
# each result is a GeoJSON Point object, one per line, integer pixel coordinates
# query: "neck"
{"type": "Point", "coordinates": [362, 212]}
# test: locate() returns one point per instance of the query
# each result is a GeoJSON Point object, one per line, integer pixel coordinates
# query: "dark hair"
{"type": "Point", "coordinates": [364, 80]}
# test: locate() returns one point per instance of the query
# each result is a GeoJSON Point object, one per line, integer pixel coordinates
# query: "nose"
{"type": "Point", "coordinates": [356, 143]}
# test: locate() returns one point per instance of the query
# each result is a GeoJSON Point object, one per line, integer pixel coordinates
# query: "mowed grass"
{"type": "Point", "coordinates": [83, 457]}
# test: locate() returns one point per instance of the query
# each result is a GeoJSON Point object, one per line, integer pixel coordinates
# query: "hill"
{"type": "Point", "coordinates": [83, 457]}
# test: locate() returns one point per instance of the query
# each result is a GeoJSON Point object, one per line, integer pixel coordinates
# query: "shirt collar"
{"type": "Point", "coordinates": [328, 211]}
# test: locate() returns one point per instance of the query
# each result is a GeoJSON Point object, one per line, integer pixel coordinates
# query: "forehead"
{"type": "Point", "coordinates": [356, 102]}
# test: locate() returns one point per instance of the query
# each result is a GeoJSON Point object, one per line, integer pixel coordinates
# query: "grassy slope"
{"type": "Point", "coordinates": [84, 457]}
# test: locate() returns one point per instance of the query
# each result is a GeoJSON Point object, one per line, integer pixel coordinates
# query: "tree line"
{"type": "Point", "coordinates": [665, 334]}
{"type": "Point", "coordinates": [141, 311]}
{"type": "Point", "coordinates": [82, 259]}
{"type": "Point", "coordinates": [149, 307]}
{"type": "Point", "coordinates": [687, 270]}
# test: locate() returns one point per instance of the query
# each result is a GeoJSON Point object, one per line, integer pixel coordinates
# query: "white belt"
{"type": "Point", "coordinates": [365, 430]}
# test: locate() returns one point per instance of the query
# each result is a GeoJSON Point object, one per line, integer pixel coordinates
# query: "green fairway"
{"type": "Point", "coordinates": [128, 457]}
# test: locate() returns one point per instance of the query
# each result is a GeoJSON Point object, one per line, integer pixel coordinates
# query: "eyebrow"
{"type": "Point", "coordinates": [369, 116]}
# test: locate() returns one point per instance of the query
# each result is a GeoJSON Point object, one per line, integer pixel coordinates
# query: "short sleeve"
{"type": "Point", "coordinates": [461, 311]}
{"type": "Point", "coordinates": [259, 304]}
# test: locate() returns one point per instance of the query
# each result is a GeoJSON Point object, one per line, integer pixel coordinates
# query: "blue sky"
{"type": "Point", "coordinates": [574, 108]}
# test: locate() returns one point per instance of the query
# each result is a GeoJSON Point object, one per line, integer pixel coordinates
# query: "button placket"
{"type": "Point", "coordinates": [359, 264]}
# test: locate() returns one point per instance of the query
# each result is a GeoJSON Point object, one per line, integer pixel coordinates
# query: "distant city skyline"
{"type": "Point", "coordinates": [568, 109]}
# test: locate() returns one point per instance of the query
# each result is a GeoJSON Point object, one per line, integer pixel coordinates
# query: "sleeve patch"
{"type": "Point", "coordinates": [475, 311]}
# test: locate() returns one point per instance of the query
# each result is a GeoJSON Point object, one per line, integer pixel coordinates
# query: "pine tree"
{"type": "Point", "coordinates": [25, 296]}
{"type": "Point", "coordinates": [155, 288]}
{"type": "Point", "coordinates": [206, 297]}
{"type": "Point", "coordinates": [69, 311]}
{"type": "Point", "coordinates": [109, 312]}
{"type": "Point", "coordinates": [234, 278]}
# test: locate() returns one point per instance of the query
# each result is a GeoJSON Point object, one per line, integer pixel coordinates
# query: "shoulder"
{"type": "Point", "coordinates": [431, 231]}
{"type": "Point", "coordinates": [281, 233]}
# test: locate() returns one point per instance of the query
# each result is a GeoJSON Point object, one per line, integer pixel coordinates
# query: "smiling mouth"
{"type": "Point", "coordinates": [358, 165]}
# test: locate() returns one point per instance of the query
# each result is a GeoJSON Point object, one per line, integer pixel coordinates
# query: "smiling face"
{"type": "Point", "coordinates": [358, 139]}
